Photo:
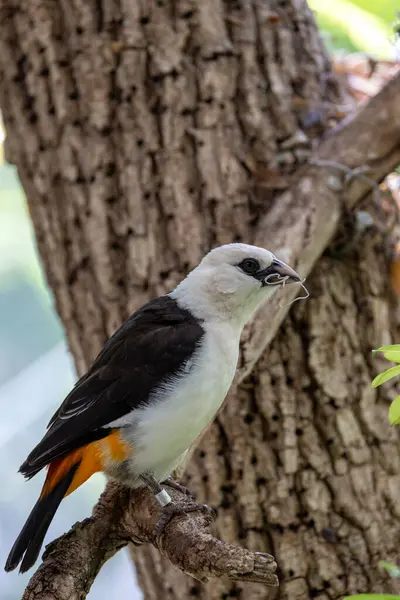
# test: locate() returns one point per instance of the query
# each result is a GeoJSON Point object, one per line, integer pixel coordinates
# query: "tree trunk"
{"type": "Point", "coordinates": [146, 132]}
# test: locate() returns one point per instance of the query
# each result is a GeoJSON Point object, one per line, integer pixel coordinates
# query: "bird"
{"type": "Point", "coordinates": [153, 389]}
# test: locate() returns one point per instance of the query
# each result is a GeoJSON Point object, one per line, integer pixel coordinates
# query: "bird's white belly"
{"type": "Point", "coordinates": [177, 415]}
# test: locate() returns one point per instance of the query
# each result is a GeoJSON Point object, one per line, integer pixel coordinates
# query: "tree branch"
{"type": "Point", "coordinates": [298, 228]}
{"type": "Point", "coordinates": [71, 563]}
{"type": "Point", "coordinates": [304, 219]}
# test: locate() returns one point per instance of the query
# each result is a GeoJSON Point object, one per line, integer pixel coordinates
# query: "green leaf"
{"type": "Point", "coordinates": [386, 348]}
{"type": "Point", "coordinates": [385, 376]}
{"type": "Point", "coordinates": [372, 597]}
{"type": "Point", "coordinates": [394, 570]}
{"type": "Point", "coordinates": [393, 355]}
{"type": "Point", "coordinates": [390, 352]}
{"type": "Point", "coordinates": [394, 414]}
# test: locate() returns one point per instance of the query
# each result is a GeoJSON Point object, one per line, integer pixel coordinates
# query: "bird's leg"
{"type": "Point", "coordinates": [170, 509]}
{"type": "Point", "coordinates": [161, 495]}
{"type": "Point", "coordinates": [170, 482]}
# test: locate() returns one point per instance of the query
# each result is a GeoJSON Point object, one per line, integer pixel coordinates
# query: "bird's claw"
{"type": "Point", "coordinates": [173, 510]}
{"type": "Point", "coordinates": [179, 487]}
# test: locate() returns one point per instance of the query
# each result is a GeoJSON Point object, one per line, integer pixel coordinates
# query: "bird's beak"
{"type": "Point", "coordinates": [277, 273]}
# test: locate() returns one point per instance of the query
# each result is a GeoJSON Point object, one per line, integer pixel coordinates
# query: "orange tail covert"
{"type": "Point", "coordinates": [64, 476]}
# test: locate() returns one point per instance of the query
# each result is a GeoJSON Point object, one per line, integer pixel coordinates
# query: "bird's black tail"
{"type": "Point", "coordinates": [28, 543]}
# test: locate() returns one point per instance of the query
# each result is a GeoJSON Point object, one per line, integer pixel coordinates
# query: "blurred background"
{"type": "Point", "coordinates": [36, 370]}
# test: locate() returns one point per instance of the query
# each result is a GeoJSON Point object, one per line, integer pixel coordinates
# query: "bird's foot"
{"type": "Point", "coordinates": [170, 482]}
{"type": "Point", "coordinates": [172, 510]}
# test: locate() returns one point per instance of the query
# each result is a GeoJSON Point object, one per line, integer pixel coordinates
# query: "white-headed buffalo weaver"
{"type": "Point", "coordinates": [154, 387]}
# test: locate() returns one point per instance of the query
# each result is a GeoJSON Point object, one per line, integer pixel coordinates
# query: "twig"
{"type": "Point", "coordinates": [349, 175]}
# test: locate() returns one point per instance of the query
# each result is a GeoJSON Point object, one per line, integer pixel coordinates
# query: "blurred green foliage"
{"type": "Point", "coordinates": [358, 25]}
{"type": "Point", "coordinates": [16, 236]}
{"type": "Point", "coordinates": [29, 326]}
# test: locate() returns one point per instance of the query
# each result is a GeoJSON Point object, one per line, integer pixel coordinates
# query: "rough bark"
{"type": "Point", "coordinates": [146, 132]}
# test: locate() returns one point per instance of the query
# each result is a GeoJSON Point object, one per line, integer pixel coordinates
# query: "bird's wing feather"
{"type": "Point", "coordinates": [151, 346]}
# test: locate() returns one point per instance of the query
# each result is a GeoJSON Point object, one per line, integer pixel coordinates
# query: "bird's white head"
{"type": "Point", "coordinates": [231, 282]}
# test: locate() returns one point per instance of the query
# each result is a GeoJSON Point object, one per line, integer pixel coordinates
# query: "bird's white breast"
{"type": "Point", "coordinates": [182, 408]}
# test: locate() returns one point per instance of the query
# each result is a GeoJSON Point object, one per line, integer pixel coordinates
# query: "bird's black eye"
{"type": "Point", "coordinates": [250, 266]}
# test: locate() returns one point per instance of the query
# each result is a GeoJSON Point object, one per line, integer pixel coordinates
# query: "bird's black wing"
{"type": "Point", "coordinates": [151, 346]}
